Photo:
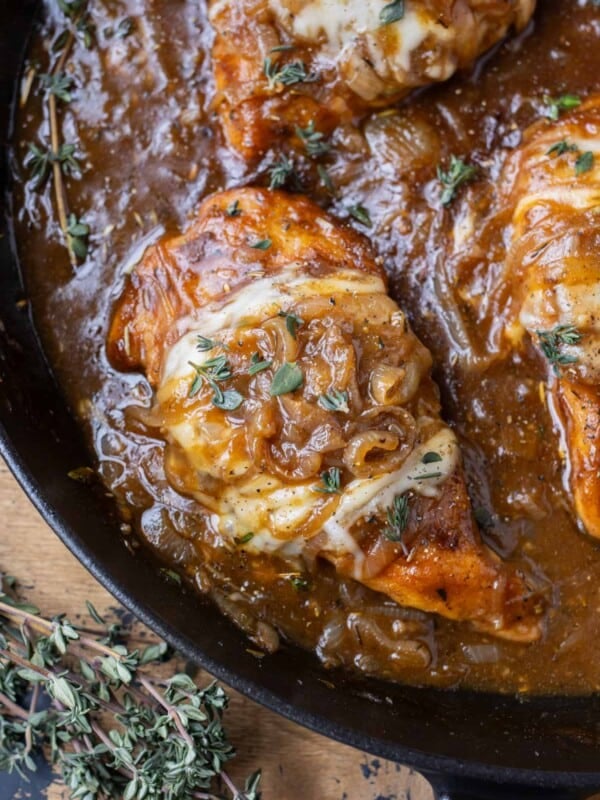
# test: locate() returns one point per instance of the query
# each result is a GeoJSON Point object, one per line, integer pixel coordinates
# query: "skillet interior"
{"type": "Point", "coordinates": [484, 737]}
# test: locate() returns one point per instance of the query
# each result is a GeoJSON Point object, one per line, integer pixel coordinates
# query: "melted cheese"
{"type": "Point", "coordinates": [259, 300]}
{"type": "Point", "coordinates": [261, 503]}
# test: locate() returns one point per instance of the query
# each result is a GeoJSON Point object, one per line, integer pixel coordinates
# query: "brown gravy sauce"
{"type": "Point", "coordinates": [151, 149]}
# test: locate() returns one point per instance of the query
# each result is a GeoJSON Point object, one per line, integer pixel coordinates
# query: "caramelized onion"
{"type": "Point", "coordinates": [385, 439]}
{"type": "Point", "coordinates": [391, 385]}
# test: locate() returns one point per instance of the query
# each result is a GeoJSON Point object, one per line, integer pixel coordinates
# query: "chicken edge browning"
{"type": "Point", "coordinates": [551, 188]}
{"type": "Point", "coordinates": [283, 66]}
{"type": "Point", "coordinates": [186, 281]}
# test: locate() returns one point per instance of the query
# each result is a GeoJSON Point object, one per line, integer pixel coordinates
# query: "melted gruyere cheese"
{"type": "Point", "coordinates": [275, 512]}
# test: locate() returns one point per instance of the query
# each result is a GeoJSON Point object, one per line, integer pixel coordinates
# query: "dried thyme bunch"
{"type": "Point", "coordinates": [93, 708]}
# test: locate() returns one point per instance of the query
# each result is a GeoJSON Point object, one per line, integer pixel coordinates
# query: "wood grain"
{"type": "Point", "coordinates": [297, 764]}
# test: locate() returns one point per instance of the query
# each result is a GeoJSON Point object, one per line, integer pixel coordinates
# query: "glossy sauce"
{"type": "Point", "coordinates": [152, 148]}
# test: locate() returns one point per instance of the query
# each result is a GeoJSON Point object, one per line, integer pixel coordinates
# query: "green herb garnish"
{"type": "Point", "coordinates": [397, 519]}
{"type": "Point", "coordinates": [292, 322]}
{"type": "Point", "coordinates": [431, 458]}
{"type": "Point", "coordinates": [214, 371]}
{"type": "Point", "coordinates": [299, 583]}
{"type": "Point", "coordinates": [203, 344]}
{"type": "Point", "coordinates": [360, 214]}
{"type": "Point", "coordinates": [281, 172]}
{"type": "Point", "coordinates": [247, 537]}
{"type": "Point", "coordinates": [392, 12]}
{"type": "Point", "coordinates": [257, 364]}
{"type": "Point", "coordinates": [335, 401]}
{"type": "Point", "coordinates": [262, 244]}
{"type": "Point", "coordinates": [330, 481]}
{"type": "Point", "coordinates": [452, 179]}
{"type": "Point", "coordinates": [77, 236]}
{"type": "Point", "coordinates": [325, 179]}
{"type": "Point", "coordinates": [313, 140]}
{"type": "Point", "coordinates": [552, 341]}
{"type": "Point", "coordinates": [233, 209]}
{"type": "Point", "coordinates": [286, 74]}
{"type": "Point", "coordinates": [562, 147]}
{"type": "Point", "coordinates": [584, 163]}
{"type": "Point", "coordinates": [58, 85]}
{"type": "Point", "coordinates": [556, 105]}
{"type": "Point", "coordinates": [287, 379]}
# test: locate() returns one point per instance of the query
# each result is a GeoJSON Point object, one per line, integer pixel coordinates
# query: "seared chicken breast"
{"type": "Point", "coordinates": [283, 65]}
{"type": "Point", "coordinates": [299, 409]}
{"type": "Point", "coordinates": [551, 187]}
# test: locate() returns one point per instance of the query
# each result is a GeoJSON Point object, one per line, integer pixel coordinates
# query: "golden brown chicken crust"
{"type": "Point", "coordinates": [366, 68]}
{"type": "Point", "coordinates": [451, 573]}
{"type": "Point", "coordinates": [441, 564]}
{"type": "Point", "coordinates": [551, 189]}
{"type": "Point", "coordinates": [215, 256]}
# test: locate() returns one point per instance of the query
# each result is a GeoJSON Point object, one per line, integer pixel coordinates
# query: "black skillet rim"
{"type": "Point", "coordinates": [149, 613]}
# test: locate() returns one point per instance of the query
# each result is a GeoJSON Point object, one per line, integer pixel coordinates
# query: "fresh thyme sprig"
{"type": "Point", "coordinates": [58, 158]}
{"type": "Point", "coordinates": [552, 342]}
{"type": "Point", "coordinates": [213, 371]}
{"type": "Point", "coordinates": [397, 519]}
{"type": "Point", "coordinates": [453, 178]}
{"type": "Point", "coordinates": [95, 710]}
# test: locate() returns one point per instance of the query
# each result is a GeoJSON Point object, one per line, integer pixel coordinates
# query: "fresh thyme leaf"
{"type": "Point", "coordinates": [71, 8]}
{"type": "Point", "coordinates": [77, 236]}
{"type": "Point", "coordinates": [203, 343]}
{"type": "Point", "coordinates": [360, 214]}
{"type": "Point", "coordinates": [397, 518]}
{"type": "Point", "coordinates": [233, 209]}
{"type": "Point", "coordinates": [313, 140]}
{"type": "Point", "coordinates": [125, 28]}
{"type": "Point", "coordinates": [335, 401]}
{"type": "Point", "coordinates": [556, 105]}
{"type": "Point", "coordinates": [392, 12]}
{"type": "Point", "coordinates": [257, 364]}
{"type": "Point", "coordinates": [453, 178]}
{"type": "Point", "coordinates": [292, 322]}
{"type": "Point", "coordinates": [562, 147]}
{"type": "Point", "coordinates": [228, 400]}
{"type": "Point", "coordinates": [247, 537]}
{"type": "Point", "coordinates": [287, 379]}
{"type": "Point", "coordinates": [299, 583]}
{"type": "Point", "coordinates": [286, 74]}
{"type": "Point", "coordinates": [431, 458]}
{"type": "Point", "coordinates": [262, 244]}
{"type": "Point", "coordinates": [39, 162]}
{"type": "Point", "coordinates": [427, 475]}
{"type": "Point", "coordinates": [325, 179]}
{"type": "Point", "coordinates": [59, 43]}
{"type": "Point", "coordinates": [281, 172]}
{"type": "Point", "coordinates": [552, 341]}
{"type": "Point", "coordinates": [213, 371]}
{"type": "Point", "coordinates": [93, 613]}
{"type": "Point", "coordinates": [584, 163]}
{"type": "Point", "coordinates": [85, 29]}
{"type": "Point", "coordinates": [58, 85]}
{"type": "Point", "coordinates": [330, 482]}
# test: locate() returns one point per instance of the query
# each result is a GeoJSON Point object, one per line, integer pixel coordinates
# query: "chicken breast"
{"type": "Point", "coordinates": [299, 409]}
{"type": "Point", "coordinates": [552, 187]}
{"type": "Point", "coordinates": [285, 65]}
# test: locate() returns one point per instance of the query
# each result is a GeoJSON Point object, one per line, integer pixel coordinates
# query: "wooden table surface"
{"type": "Point", "coordinates": [296, 764]}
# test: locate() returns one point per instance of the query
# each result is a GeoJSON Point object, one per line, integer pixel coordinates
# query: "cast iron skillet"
{"type": "Point", "coordinates": [471, 746]}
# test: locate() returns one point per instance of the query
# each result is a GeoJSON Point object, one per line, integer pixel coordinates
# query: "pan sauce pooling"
{"type": "Point", "coordinates": [449, 271]}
